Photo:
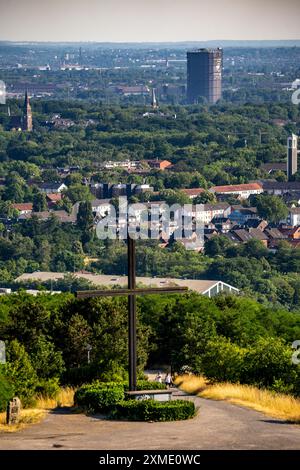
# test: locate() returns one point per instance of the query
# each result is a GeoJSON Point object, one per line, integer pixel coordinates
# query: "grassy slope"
{"type": "Point", "coordinates": [273, 404]}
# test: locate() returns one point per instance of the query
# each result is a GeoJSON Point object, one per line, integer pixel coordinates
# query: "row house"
{"type": "Point", "coordinates": [193, 192]}
{"type": "Point", "coordinates": [241, 191]}
{"type": "Point", "coordinates": [279, 188]}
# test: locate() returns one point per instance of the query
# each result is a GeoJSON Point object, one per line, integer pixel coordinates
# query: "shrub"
{"type": "Point", "coordinates": [146, 385]}
{"type": "Point", "coordinates": [151, 410]}
{"type": "Point", "coordinates": [22, 373]}
{"type": "Point", "coordinates": [102, 396]}
{"type": "Point", "coordinates": [48, 387]}
{"type": "Point", "coordinates": [223, 361]}
{"type": "Point", "coordinates": [99, 396]}
{"type": "Point", "coordinates": [268, 361]}
{"type": "Point", "coordinates": [6, 390]}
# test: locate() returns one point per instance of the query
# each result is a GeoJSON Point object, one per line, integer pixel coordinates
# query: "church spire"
{"type": "Point", "coordinates": [154, 103]}
{"type": "Point", "coordinates": [27, 114]}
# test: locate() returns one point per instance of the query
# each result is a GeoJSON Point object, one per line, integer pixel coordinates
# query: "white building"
{"type": "Point", "coordinates": [242, 191]}
{"type": "Point", "coordinates": [50, 188]}
{"type": "Point", "coordinates": [101, 207]}
{"type": "Point", "coordinates": [294, 217]}
{"type": "Point", "coordinates": [127, 164]}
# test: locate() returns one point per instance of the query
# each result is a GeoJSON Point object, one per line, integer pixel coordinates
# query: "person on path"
{"type": "Point", "coordinates": [168, 380]}
{"type": "Point", "coordinates": [158, 378]}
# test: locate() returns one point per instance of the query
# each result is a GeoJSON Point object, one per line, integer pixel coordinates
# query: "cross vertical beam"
{"type": "Point", "coordinates": [131, 313]}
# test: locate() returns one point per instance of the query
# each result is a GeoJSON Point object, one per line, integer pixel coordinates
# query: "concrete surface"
{"type": "Point", "coordinates": [218, 425]}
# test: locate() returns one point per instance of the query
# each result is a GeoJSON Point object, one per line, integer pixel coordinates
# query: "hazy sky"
{"type": "Point", "coordinates": [148, 20]}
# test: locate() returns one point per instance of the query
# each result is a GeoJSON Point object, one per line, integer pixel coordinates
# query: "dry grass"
{"type": "Point", "coordinates": [27, 417]}
{"type": "Point", "coordinates": [273, 404]}
{"type": "Point", "coordinates": [65, 397]}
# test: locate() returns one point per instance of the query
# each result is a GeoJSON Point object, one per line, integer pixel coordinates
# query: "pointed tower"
{"type": "Point", "coordinates": [292, 156]}
{"type": "Point", "coordinates": [154, 103]}
{"type": "Point", "coordinates": [27, 114]}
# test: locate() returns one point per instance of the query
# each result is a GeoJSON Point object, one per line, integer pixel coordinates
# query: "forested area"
{"type": "Point", "coordinates": [225, 144]}
{"type": "Point", "coordinates": [226, 338]}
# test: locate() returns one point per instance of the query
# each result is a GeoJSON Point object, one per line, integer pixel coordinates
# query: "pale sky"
{"type": "Point", "coordinates": [148, 20]}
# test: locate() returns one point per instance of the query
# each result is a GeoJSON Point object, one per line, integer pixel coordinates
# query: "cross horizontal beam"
{"type": "Point", "coordinates": [137, 291]}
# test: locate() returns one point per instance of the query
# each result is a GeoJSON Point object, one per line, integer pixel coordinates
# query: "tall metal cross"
{"type": "Point", "coordinates": [131, 292]}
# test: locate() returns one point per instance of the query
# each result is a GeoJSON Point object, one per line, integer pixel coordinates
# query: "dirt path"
{"type": "Point", "coordinates": [218, 425]}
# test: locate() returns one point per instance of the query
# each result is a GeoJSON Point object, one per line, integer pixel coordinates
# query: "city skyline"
{"type": "Point", "coordinates": [136, 21]}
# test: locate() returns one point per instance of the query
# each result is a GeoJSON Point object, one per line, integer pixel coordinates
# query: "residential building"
{"type": "Point", "coordinates": [275, 236]}
{"type": "Point", "coordinates": [293, 217]}
{"type": "Point", "coordinates": [207, 212]}
{"type": "Point", "coordinates": [222, 224]}
{"type": "Point", "coordinates": [242, 235]}
{"type": "Point", "coordinates": [193, 192]}
{"type": "Point", "coordinates": [50, 188]}
{"type": "Point", "coordinates": [23, 208]}
{"type": "Point", "coordinates": [273, 167]}
{"type": "Point", "coordinates": [53, 199]}
{"type": "Point", "coordinates": [159, 164]}
{"type": "Point", "coordinates": [101, 207]}
{"type": "Point", "coordinates": [279, 188]}
{"type": "Point", "coordinates": [62, 216]}
{"type": "Point", "coordinates": [242, 191]}
{"type": "Point", "coordinates": [291, 232]}
{"type": "Point", "coordinates": [124, 164]}
{"type": "Point", "coordinates": [204, 75]}
{"type": "Point", "coordinates": [256, 223]}
{"type": "Point", "coordinates": [240, 215]}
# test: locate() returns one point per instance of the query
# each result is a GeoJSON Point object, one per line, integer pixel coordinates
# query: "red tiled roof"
{"type": "Point", "coordinates": [26, 206]}
{"type": "Point", "coordinates": [190, 192]}
{"type": "Point", "coordinates": [237, 187]}
{"type": "Point", "coordinates": [54, 197]}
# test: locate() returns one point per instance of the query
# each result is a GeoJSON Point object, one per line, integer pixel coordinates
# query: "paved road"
{"type": "Point", "coordinates": [218, 425]}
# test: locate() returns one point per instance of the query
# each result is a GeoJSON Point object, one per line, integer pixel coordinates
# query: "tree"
{"type": "Point", "coordinates": [47, 362]}
{"type": "Point", "coordinates": [223, 360]}
{"type": "Point", "coordinates": [85, 220]}
{"type": "Point", "coordinates": [6, 388]}
{"type": "Point", "coordinates": [267, 361]}
{"type": "Point", "coordinates": [172, 196]}
{"type": "Point", "coordinates": [205, 197]}
{"type": "Point", "coordinates": [78, 192]}
{"type": "Point", "coordinates": [78, 337]}
{"type": "Point", "coordinates": [39, 202]}
{"type": "Point", "coordinates": [21, 372]}
{"type": "Point", "coordinates": [217, 245]}
{"type": "Point", "coordinates": [269, 207]}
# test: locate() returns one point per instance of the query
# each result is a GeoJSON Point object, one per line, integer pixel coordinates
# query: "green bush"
{"type": "Point", "coordinates": [99, 396]}
{"type": "Point", "coordinates": [48, 387]}
{"type": "Point", "coordinates": [151, 410]}
{"type": "Point", "coordinates": [269, 360]}
{"type": "Point", "coordinates": [22, 373]}
{"type": "Point", "coordinates": [223, 360]}
{"type": "Point", "coordinates": [6, 390]}
{"type": "Point", "coordinates": [146, 385]}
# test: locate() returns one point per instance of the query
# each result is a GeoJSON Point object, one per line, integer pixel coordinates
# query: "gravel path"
{"type": "Point", "coordinates": [218, 425]}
